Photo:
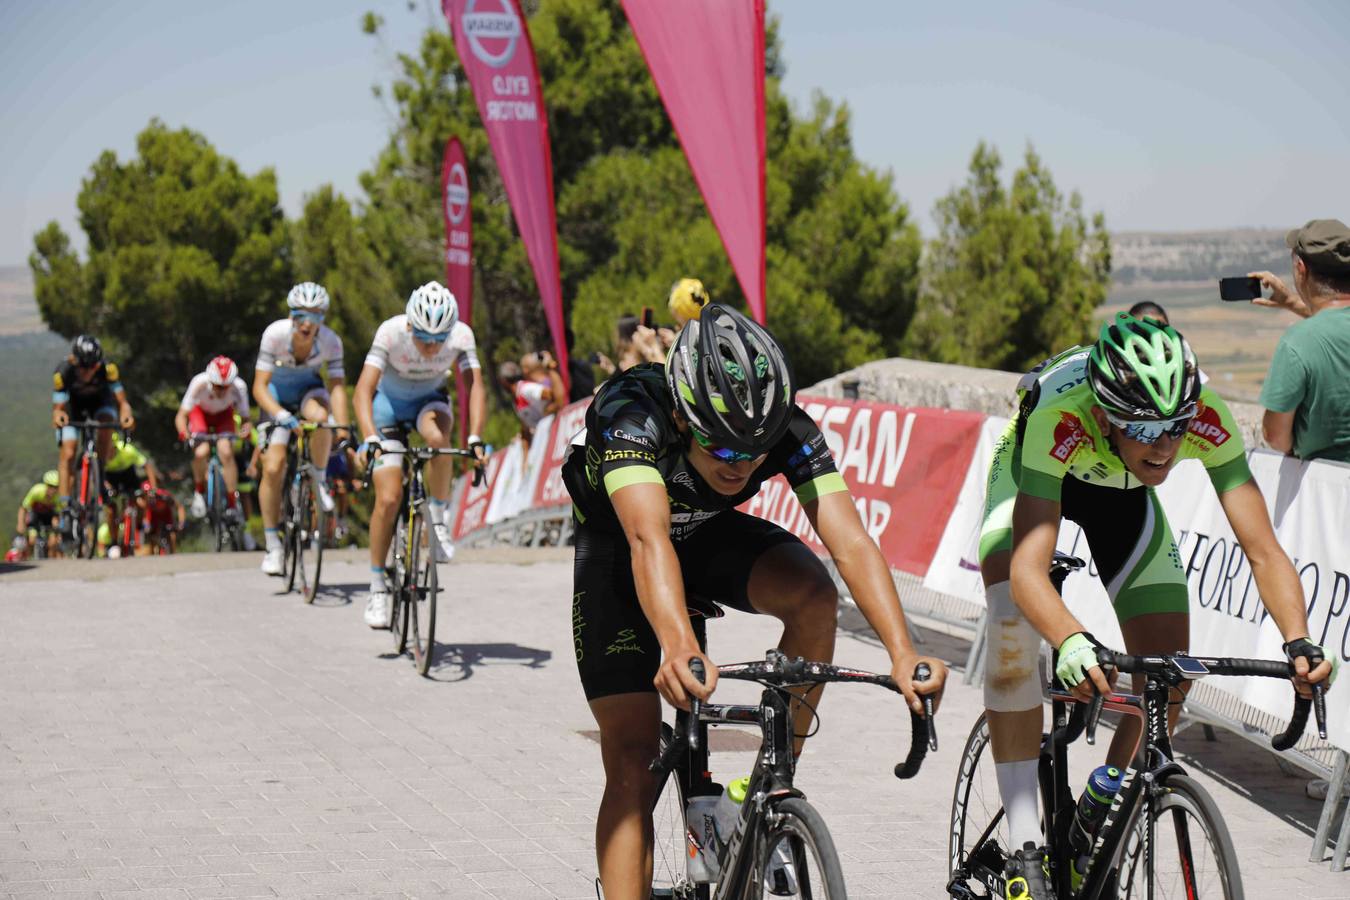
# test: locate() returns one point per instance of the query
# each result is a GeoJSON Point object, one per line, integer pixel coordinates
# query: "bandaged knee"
{"type": "Point", "coordinates": [1012, 680]}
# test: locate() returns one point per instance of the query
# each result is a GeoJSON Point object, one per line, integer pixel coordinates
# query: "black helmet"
{"type": "Point", "coordinates": [86, 350]}
{"type": "Point", "coordinates": [1143, 370]}
{"type": "Point", "coordinates": [731, 381]}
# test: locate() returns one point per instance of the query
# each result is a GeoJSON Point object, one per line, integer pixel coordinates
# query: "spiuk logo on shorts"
{"type": "Point", "coordinates": [1208, 427]}
{"type": "Point", "coordinates": [1069, 433]}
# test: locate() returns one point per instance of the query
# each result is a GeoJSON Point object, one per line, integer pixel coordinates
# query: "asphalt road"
{"type": "Point", "coordinates": [176, 728]}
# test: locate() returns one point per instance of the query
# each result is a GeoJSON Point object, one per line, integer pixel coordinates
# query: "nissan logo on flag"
{"type": "Point", "coordinates": [456, 194]}
{"type": "Point", "coordinates": [493, 35]}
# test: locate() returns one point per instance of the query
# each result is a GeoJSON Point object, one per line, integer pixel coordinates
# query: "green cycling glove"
{"type": "Point", "coordinates": [1077, 654]}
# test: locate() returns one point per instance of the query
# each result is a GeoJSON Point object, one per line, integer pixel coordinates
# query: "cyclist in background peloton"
{"type": "Point", "coordinates": [85, 386]}
{"type": "Point", "coordinates": [288, 387]}
{"type": "Point", "coordinates": [667, 454]}
{"type": "Point", "coordinates": [214, 401]}
{"type": "Point", "coordinates": [403, 382]}
{"type": "Point", "coordinates": [1097, 429]}
{"type": "Point", "coordinates": [38, 510]}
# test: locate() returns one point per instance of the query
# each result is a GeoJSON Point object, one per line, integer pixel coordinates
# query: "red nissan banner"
{"type": "Point", "coordinates": [568, 421]}
{"type": "Point", "coordinates": [474, 506]}
{"type": "Point", "coordinates": [494, 48]}
{"type": "Point", "coordinates": [458, 228]}
{"type": "Point", "coordinates": [458, 252]}
{"type": "Point", "coordinates": [707, 59]}
{"type": "Point", "coordinates": [904, 468]}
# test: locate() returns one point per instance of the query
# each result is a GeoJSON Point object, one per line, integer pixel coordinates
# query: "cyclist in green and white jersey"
{"type": "Point", "coordinates": [1097, 429]}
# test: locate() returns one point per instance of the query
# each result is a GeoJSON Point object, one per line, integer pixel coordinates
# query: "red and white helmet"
{"type": "Point", "coordinates": [222, 371]}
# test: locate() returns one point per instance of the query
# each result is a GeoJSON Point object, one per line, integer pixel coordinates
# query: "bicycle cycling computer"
{"type": "Point", "coordinates": [1191, 668]}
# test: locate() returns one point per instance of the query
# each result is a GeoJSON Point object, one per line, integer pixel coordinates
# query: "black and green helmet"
{"type": "Point", "coordinates": [1143, 370]}
{"type": "Point", "coordinates": [731, 380]}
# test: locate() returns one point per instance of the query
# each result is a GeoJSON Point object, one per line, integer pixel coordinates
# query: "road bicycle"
{"type": "Point", "coordinates": [412, 557]}
{"type": "Point", "coordinates": [86, 506]}
{"type": "Point", "coordinates": [227, 527]}
{"type": "Point", "coordinates": [303, 514]}
{"type": "Point", "coordinates": [1163, 835]}
{"type": "Point", "coordinates": [779, 843]}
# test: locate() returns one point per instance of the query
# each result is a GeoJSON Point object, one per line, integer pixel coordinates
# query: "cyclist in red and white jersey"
{"type": "Point", "coordinates": [212, 401]}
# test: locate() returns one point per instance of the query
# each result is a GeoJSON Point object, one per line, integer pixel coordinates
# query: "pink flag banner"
{"type": "Point", "coordinates": [707, 59]}
{"type": "Point", "coordinates": [458, 215]}
{"type": "Point", "coordinates": [494, 48]}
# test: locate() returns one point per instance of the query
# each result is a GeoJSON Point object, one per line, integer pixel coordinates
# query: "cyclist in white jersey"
{"type": "Point", "coordinates": [402, 387]}
{"type": "Point", "coordinates": [288, 386]}
{"type": "Point", "coordinates": [214, 399]}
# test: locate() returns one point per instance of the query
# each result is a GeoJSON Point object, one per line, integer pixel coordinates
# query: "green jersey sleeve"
{"type": "Point", "coordinates": [1215, 439]}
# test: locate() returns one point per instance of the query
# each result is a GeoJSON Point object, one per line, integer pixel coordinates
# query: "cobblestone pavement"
{"type": "Point", "coordinates": [166, 732]}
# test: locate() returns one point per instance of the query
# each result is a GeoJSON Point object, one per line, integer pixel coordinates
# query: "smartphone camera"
{"type": "Point", "coordinates": [1234, 290]}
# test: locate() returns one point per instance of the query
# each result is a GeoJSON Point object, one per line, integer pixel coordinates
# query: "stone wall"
{"type": "Point", "coordinates": [912, 382]}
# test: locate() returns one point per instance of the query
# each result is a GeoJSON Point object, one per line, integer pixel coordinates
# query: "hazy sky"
{"type": "Point", "coordinates": [1177, 115]}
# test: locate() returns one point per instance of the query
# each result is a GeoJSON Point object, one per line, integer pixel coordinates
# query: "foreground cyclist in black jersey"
{"type": "Point", "coordinates": [668, 453]}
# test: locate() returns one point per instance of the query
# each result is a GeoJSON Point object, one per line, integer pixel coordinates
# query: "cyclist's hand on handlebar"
{"type": "Point", "coordinates": [182, 437]}
{"type": "Point", "coordinates": [289, 421]}
{"type": "Point", "coordinates": [675, 682]}
{"type": "Point", "coordinates": [1078, 668]}
{"type": "Point", "coordinates": [127, 419]}
{"type": "Point", "coordinates": [1311, 665]}
{"type": "Point", "coordinates": [902, 673]}
{"type": "Point", "coordinates": [60, 418]}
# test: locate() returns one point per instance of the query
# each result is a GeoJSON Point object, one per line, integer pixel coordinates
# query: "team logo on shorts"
{"type": "Point", "coordinates": [1208, 427]}
{"type": "Point", "coordinates": [1069, 433]}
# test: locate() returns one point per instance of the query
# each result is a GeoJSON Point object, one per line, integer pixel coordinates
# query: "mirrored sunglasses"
{"type": "Point", "coordinates": [1148, 431]}
{"type": "Point", "coordinates": [301, 315]}
{"type": "Point", "coordinates": [427, 337]}
{"type": "Point", "coordinates": [722, 454]}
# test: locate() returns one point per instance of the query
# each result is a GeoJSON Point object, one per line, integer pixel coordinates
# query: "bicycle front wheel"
{"type": "Point", "coordinates": [1193, 856]}
{"type": "Point", "coordinates": [978, 834]}
{"type": "Point", "coordinates": [670, 876]}
{"type": "Point", "coordinates": [421, 612]}
{"type": "Point", "coordinates": [797, 857]}
{"type": "Point", "coordinates": [398, 574]}
{"type": "Point", "coordinates": [309, 543]}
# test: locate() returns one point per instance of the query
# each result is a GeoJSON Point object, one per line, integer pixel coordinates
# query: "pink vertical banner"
{"type": "Point", "coordinates": [494, 48]}
{"type": "Point", "coordinates": [707, 59]}
{"type": "Point", "coordinates": [458, 213]}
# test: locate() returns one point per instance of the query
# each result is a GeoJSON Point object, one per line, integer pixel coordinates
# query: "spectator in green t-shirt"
{"type": "Point", "coordinates": [1307, 391]}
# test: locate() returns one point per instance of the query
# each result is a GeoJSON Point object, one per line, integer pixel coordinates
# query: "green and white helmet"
{"type": "Point", "coordinates": [1142, 370]}
{"type": "Point", "coordinates": [731, 380]}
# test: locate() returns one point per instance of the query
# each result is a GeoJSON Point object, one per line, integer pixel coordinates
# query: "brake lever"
{"type": "Point", "coordinates": [922, 672]}
{"type": "Point", "coordinates": [695, 705]}
{"type": "Point", "coordinates": [1094, 715]}
{"type": "Point", "coordinates": [1319, 699]}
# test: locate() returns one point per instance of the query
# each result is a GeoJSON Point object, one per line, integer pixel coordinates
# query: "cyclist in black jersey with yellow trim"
{"type": "Point", "coordinates": [667, 454]}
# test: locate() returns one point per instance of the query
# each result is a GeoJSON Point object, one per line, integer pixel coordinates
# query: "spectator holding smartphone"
{"type": "Point", "coordinates": [1307, 391]}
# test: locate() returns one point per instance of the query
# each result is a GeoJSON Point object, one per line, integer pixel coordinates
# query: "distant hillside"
{"type": "Point", "coordinates": [1161, 256]}
{"type": "Point", "coordinates": [18, 309]}
{"type": "Point", "coordinates": [27, 444]}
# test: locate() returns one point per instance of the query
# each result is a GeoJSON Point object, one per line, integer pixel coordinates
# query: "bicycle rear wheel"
{"type": "Point", "coordinates": [91, 509]}
{"type": "Point", "coordinates": [398, 574]}
{"type": "Point", "coordinates": [800, 839]}
{"type": "Point", "coordinates": [976, 805]}
{"type": "Point", "coordinates": [422, 598]}
{"type": "Point", "coordinates": [309, 538]}
{"type": "Point", "coordinates": [216, 487]}
{"type": "Point", "coordinates": [1193, 856]}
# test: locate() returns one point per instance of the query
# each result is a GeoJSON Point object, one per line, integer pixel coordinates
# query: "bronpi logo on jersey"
{"type": "Point", "coordinates": [493, 30]}
{"type": "Point", "coordinates": [1209, 427]}
{"type": "Point", "coordinates": [456, 194]}
{"type": "Point", "coordinates": [1069, 433]}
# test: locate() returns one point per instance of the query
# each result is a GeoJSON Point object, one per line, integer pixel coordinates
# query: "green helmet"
{"type": "Point", "coordinates": [50, 478]}
{"type": "Point", "coordinates": [1143, 370]}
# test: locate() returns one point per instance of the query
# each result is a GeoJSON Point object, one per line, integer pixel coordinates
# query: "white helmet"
{"type": "Point", "coordinates": [221, 371]}
{"type": "Point", "coordinates": [309, 297]}
{"type": "Point", "coordinates": [432, 308]}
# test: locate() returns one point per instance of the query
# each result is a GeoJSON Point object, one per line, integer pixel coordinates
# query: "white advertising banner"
{"type": "Point", "coordinates": [955, 569]}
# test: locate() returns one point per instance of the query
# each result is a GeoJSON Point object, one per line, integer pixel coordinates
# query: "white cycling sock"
{"type": "Point", "coordinates": [1017, 785]}
{"type": "Point", "coordinates": [439, 510]}
{"type": "Point", "coordinates": [273, 539]}
{"type": "Point", "coordinates": [377, 582]}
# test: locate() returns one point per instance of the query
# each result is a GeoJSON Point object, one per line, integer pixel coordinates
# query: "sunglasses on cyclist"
{"type": "Point", "coordinates": [722, 454]}
{"type": "Point", "coordinates": [427, 337]}
{"type": "Point", "coordinates": [1148, 431]}
{"type": "Point", "coordinates": [301, 315]}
